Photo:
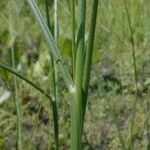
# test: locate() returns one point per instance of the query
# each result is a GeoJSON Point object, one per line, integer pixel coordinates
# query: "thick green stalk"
{"type": "Point", "coordinates": [17, 104]}
{"type": "Point", "coordinates": [76, 104]}
{"type": "Point", "coordinates": [89, 53]}
{"type": "Point", "coordinates": [53, 85]}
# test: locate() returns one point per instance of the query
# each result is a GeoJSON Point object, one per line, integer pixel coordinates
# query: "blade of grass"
{"type": "Point", "coordinates": [89, 53]}
{"type": "Point", "coordinates": [52, 44]}
{"type": "Point", "coordinates": [76, 104]}
{"type": "Point", "coordinates": [55, 77]}
{"type": "Point", "coordinates": [12, 71]}
{"type": "Point", "coordinates": [73, 36]}
{"type": "Point", "coordinates": [11, 22]}
{"type": "Point", "coordinates": [17, 104]}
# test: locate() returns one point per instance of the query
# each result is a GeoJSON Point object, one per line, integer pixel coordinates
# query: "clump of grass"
{"type": "Point", "coordinates": [77, 82]}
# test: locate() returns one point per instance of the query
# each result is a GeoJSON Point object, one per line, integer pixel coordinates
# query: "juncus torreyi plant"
{"type": "Point", "coordinates": [77, 81]}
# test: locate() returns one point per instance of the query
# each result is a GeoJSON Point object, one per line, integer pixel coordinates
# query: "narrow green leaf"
{"type": "Point", "coordinates": [76, 105]}
{"type": "Point", "coordinates": [52, 44]}
{"type": "Point", "coordinates": [12, 71]}
{"type": "Point", "coordinates": [89, 53]}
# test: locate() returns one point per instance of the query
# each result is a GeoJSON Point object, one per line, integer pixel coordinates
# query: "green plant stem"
{"type": "Point", "coordinates": [135, 71]}
{"type": "Point", "coordinates": [73, 36]}
{"type": "Point", "coordinates": [89, 53]}
{"type": "Point", "coordinates": [53, 81]}
{"type": "Point", "coordinates": [47, 14]}
{"type": "Point", "coordinates": [17, 104]}
{"type": "Point", "coordinates": [76, 103]}
{"type": "Point", "coordinates": [55, 77]}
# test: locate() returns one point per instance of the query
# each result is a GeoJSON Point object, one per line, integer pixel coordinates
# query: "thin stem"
{"type": "Point", "coordinates": [47, 14]}
{"type": "Point", "coordinates": [133, 47]}
{"type": "Point", "coordinates": [89, 53]}
{"type": "Point", "coordinates": [73, 36]}
{"type": "Point", "coordinates": [11, 23]}
{"type": "Point", "coordinates": [55, 77]}
{"type": "Point", "coordinates": [54, 85]}
{"type": "Point", "coordinates": [135, 71]}
{"type": "Point", "coordinates": [17, 104]}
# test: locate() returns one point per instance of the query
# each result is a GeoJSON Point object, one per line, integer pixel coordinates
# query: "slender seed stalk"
{"type": "Point", "coordinates": [76, 106]}
{"type": "Point", "coordinates": [17, 104]}
{"type": "Point", "coordinates": [53, 85]}
{"type": "Point", "coordinates": [89, 53]}
{"type": "Point", "coordinates": [133, 47]}
{"type": "Point", "coordinates": [135, 71]}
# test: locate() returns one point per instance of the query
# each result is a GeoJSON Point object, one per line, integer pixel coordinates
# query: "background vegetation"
{"type": "Point", "coordinates": [112, 91]}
